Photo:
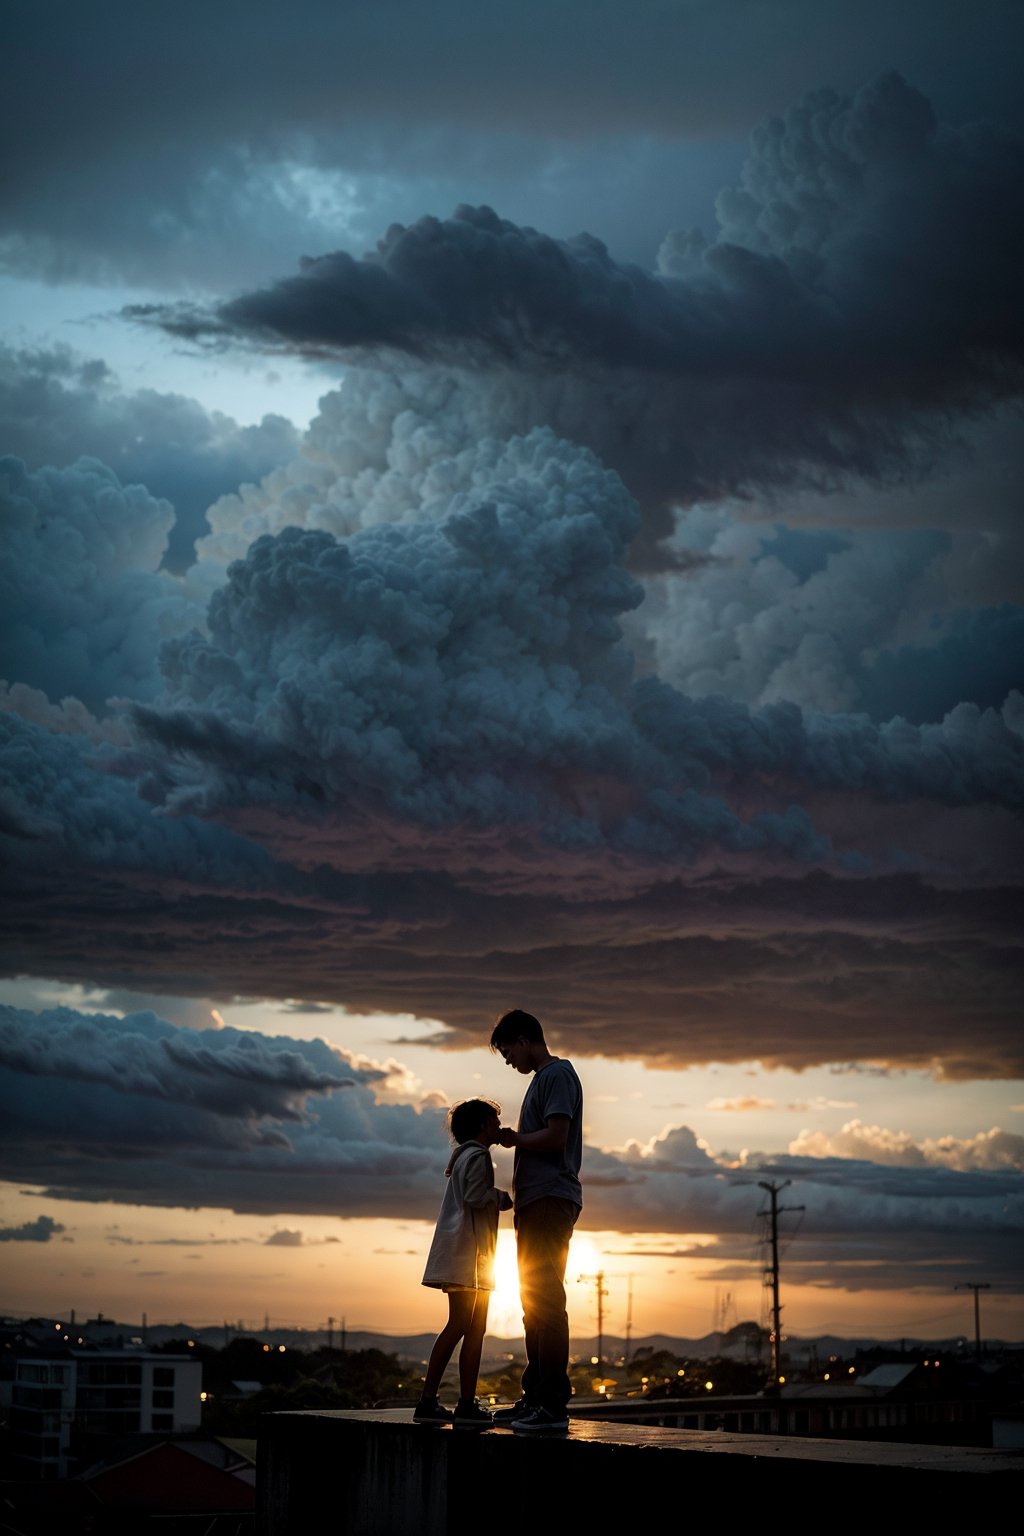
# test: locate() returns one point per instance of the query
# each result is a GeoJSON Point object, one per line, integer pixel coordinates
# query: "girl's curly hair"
{"type": "Point", "coordinates": [466, 1118]}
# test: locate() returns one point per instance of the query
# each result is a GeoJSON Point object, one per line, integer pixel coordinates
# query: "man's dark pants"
{"type": "Point", "coordinates": [543, 1229]}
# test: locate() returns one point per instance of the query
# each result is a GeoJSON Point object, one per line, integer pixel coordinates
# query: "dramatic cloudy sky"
{"type": "Point", "coordinates": [512, 508]}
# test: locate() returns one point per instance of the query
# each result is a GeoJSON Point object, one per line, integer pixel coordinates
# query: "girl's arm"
{"type": "Point", "coordinates": [478, 1179]}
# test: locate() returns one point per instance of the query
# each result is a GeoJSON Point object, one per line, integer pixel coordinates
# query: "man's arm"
{"type": "Point", "coordinates": [551, 1139]}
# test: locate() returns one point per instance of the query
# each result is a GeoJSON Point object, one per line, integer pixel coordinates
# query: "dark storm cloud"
{"type": "Point", "coordinates": [223, 1071]}
{"type": "Point", "coordinates": [150, 139]}
{"type": "Point", "coordinates": [59, 808]}
{"type": "Point", "coordinates": [862, 286]}
{"type": "Point", "coordinates": [42, 1230]}
{"type": "Point", "coordinates": [217, 1117]}
{"type": "Point", "coordinates": [345, 1154]}
{"type": "Point", "coordinates": [443, 782]}
{"type": "Point", "coordinates": [56, 406]}
{"type": "Point", "coordinates": [427, 749]}
{"type": "Point", "coordinates": [791, 971]}
{"type": "Point", "coordinates": [979, 657]}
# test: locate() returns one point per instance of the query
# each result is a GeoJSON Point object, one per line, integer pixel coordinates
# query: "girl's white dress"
{"type": "Point", "coordinates": [462, 1251]}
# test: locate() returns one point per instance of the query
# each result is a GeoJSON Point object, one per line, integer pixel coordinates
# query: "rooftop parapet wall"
{"type": "Point", "coordinates": [379, 1474]}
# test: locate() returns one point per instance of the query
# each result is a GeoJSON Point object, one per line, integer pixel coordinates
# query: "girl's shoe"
{"type": "Point", "coordinates": [469, 1412]}
{"type": "Point", "coordinates": [430, 1411]}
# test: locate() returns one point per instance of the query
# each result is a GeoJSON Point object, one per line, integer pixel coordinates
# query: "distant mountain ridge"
{"type": "Point", "coordinates": [737, 1343]}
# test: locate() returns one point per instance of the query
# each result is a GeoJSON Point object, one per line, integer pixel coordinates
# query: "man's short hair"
{"type": "Point", "coordinates": [516, 1025]}
{"type": "Point", "coordinates": [465, 1119]}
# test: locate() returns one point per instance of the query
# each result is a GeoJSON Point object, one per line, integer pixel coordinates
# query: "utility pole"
{"type": "Point", "coordinates": [330, 1333]}
{"type": "Point", "coordinates": [598, 1280]}
{"type": "Point", "coordinates": [970, 1285]}
{"type": "Point", "coordinates": [343, 1335]}
{"type": "Point", "coordinates": [629, 1319]}
{"type": "Point", "coordinates": [774, 1190]}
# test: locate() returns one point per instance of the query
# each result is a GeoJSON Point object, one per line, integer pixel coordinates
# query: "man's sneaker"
{"type": "Point", "coordinates": [509, 1416]}
{"type": "Point", "coordinates": [468, 1413]}
{"type": "Point", "coordinates": [542, 1419]}
{"type": "Point", "coordinates": [429, 1411]}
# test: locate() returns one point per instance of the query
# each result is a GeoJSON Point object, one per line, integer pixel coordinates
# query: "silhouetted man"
{"type": "Point", "coordinates": [547, 1200]}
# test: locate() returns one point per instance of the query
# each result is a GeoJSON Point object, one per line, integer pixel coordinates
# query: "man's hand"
{"type": "Point", "coordinates": [507, 1136]}
{"type": "Point", "coordinates": [551, 1139]}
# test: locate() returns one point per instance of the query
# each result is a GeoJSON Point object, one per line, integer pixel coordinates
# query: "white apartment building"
{"type": "Point", "coordinates": [97, 1391]}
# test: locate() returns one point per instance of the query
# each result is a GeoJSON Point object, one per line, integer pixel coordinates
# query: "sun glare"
{"type": "Point", "coordinates": [584, 1258]}
{"type": "Point", "coordinates": [505, 1314]}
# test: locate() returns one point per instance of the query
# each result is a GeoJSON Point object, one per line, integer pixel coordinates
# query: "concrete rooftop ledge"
{"type": "Point", "coordinates": [376, 1473]}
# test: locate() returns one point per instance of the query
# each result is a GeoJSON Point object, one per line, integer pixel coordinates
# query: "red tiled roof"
{"type": "Point", "coordinates": [168, 1479]}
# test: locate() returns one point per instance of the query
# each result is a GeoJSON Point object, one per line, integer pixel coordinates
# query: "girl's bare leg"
{"type": "Point", "coordinates": [460, 1317]}
{"type": "Point", "coordinates": [473, 1346]}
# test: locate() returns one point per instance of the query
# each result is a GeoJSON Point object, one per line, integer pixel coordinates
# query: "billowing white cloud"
{"type": "Point", "coordinates": [995, 1149]}
{"type": "Point", "coordinates": [85, 604]}
{"type": "Point", "coordinates": [56, 406]}
{"type": "Point", "coordinates": [838, 619]}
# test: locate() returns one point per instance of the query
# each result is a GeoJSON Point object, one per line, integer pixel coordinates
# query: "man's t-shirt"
{"type": "Point", "coordinates": [555, 1090]}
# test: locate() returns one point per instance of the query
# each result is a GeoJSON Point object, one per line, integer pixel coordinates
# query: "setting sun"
{"type": "Point", "coordinates": [505, 1316]}
{"type": "Point", "coordinates": [584, 1258]}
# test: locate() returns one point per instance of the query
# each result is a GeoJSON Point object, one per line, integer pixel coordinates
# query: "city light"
{"type": "Point", "coordinates": [709, 1386]}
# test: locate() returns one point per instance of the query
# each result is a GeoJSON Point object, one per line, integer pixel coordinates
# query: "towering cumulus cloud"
{"type": "Point", "coordinates": [862, 283]}
{"type": "Point", "coordinates": [519, 673]}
